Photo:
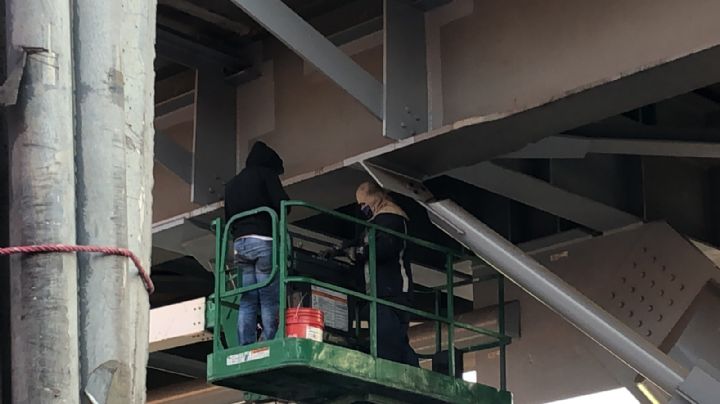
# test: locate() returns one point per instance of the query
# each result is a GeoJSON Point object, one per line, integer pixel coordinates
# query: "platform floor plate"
{"type": "Point", "coordinates": [313, 372]}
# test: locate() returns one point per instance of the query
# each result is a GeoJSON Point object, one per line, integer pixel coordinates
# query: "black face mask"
{"type": "Point", "coordinates": [365, 211]}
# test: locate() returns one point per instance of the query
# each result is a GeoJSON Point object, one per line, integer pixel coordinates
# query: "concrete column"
{"type": "Point", "coordinates": [4, 234]}
{"type": "Point", "coordinates": [114, 53]}
{"type": "Point", "coordinates": [40, 126]}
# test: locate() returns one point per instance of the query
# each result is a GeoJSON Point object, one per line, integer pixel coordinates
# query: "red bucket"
{"type": "Point", "coordinates": [303, 322]}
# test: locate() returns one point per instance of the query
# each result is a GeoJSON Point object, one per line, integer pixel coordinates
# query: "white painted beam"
{"type": "Point", "coordinates": [178, 325]}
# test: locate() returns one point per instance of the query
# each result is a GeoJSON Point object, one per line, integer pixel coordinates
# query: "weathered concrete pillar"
{"type": "Point", "coordinates": [114, 45]}
{"type": "Point", "coordinates": [42, 210]}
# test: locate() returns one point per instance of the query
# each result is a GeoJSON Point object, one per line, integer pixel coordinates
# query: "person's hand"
{"type": "Point", "coordinates": [330, 253]}
{"type": "Point", "coordinates": [355, 253]}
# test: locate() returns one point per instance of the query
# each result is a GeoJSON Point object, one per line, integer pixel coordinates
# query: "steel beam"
{"type": "Point", "coordinates": [192, 54]}
{"type": "Point", "coordinates": [544, 196]}
{"type": "Point", "coordinates": [578, 147]}
{"type": "Point", "coordinates": [215, 137]}
{"type": "Point", "coordinates": [177, 110]}
{"type": "Point", "coordinates": [173, 156]}
{"type": "Point", "coordinates": [177, 365]}
{"type": "Point", "coordinates": [174, 104]}
{"type": "Point", "coordinates": [302, 38]}
{"type": "Point", "coordinates": [204, 14]}
{"type": "Point", "coordinates": [356, 32]}
{"type": "Point", "coordinates": [405, 70]}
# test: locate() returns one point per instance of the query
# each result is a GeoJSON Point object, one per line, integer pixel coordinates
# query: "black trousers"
{"type": "Point", "coordinates": [392, 332]}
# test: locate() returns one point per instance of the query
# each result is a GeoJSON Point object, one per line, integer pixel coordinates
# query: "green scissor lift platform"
{"type": "Point", "coordinates": [307, 371]}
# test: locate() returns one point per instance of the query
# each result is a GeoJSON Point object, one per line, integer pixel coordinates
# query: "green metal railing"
{"type": "Point", "coordinates": [226, 301]}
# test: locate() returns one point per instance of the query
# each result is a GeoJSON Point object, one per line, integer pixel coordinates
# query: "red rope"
{"type": "Point", "coordinates": [64, 248]}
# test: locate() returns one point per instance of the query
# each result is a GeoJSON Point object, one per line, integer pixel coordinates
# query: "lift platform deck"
{"type": "Point", "coordinates": [308, 371]}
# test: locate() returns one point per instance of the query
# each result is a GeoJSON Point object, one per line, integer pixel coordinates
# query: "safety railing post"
{"type": "Point", "coordinates": [217, 226]}
{"type": "Point", "coordinates": [373, 291]}
{"type": "Point", "coordinates": [357, 321]}
{"type": "Point", "coordinates": [501, 330]}
{"type": "Point", "coordinates": [450, 314]}
{"type": "Point", "coordinates": [438, 325]}
{"type": "Point", "coordinates": [280, 258]}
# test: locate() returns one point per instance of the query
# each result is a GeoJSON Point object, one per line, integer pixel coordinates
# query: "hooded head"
{"type": "Point", "coordinates": [261, 155]}
{"type": "Point", "coordinates": [373, 201]}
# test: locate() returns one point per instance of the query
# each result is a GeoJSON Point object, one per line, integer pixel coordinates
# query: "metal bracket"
{"type": "Point", "coordinates": [399, 183]}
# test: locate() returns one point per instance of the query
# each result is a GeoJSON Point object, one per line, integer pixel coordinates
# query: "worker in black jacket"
{"type": "Point", "coordinates": [393, 274]}
{"type": "Point", "coordinates": [256, 186]}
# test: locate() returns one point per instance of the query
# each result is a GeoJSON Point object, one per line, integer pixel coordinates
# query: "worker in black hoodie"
{"type": "Point", "coordinates": [256, 186]}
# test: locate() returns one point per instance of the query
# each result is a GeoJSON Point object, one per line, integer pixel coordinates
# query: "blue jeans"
{"type": "Point", "coordinates": [253, 258]}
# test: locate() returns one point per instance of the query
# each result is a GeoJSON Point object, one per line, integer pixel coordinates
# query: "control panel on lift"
{"type": "Point", "coordinates": [340, 310]}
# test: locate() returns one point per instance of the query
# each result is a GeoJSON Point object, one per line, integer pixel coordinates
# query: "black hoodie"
{"type": "Point", "coordinates": [255, 186]}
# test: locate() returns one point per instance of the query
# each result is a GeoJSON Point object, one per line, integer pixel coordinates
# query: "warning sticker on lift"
{"type": "Point", "coordinates": [334, 306]}
{"type": "Point", "coordinates": [248, 356]}
{"type": "Point", "coordinates": [314, 333]}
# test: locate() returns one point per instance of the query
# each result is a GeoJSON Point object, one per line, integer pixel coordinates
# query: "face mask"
{"type": "Point", "coordinates": [366, 211]}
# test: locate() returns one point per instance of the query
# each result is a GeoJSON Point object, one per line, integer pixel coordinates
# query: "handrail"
{"type": "Point", "coordinates": [419, 313]}
{"type": "Point", "coordinates": [223, 252]}
{"type": "Point", "coordinates": [449, 319]}
{"type": "Point", "coordinates": [414, 240]}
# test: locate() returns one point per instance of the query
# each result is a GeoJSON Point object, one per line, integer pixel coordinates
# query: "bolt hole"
{"type": "Point", "coordinates": [651, 308]}
{"type": "Point", "coordinates": [664, 268]}
{"type": "Point", "coordinates": [643, 274]}
{"type": "Point", "coordinates": [623, 279]}
{"type": "Point", "coordinates": [673, 277]}
{"type": "Point", "coordinates": [642, 298]}
{"type": "Point", "coordinates": [671, 302]}
{"type": "Point", "coordinates": [652, 284]}
{"type": "Point", "coordinates": [682, 286]}
{"type": "Point", "coordinates": [648, 333]}
{"type": "Point", "coordinates": [634, 264]}
{"type": "Point", "coordinates": [640, 323]}
{"type": "Point", "coordinates": [621, 304]}
{"type": "Point", "coordinates": [662, 292]}
{"type": "Point", "coordinates": [613, 295]}
{"type": "Point", "coordinates": [631, 313]}
{"type": "Point", "coordinates": [660, 318]}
